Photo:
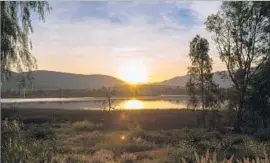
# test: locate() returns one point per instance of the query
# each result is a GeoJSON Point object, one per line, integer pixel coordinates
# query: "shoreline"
{"type": "Point", "coordinates": [152, 119]}
{"type": "Point", "coordinates": [74, 99]}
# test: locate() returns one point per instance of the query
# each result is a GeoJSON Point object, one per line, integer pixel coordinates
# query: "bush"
{"type": "Point", "coordinates": [196, 135]}
{"type": "Point", "coordinates": [103, 156]}
{"type": "Point", "coordinates": [212, 158]}
{"type": "Point", "coordinates": [254, 147]}
{"type": "Point", "coordinates": [128, 158]}
{"type": "Point", "coordinates": [160, 138]}
{"type": "Point", "coordinates": [70, 159]}
{"type": "Point", "coordinates": [41, 133]}
{"type": "Point", "coordinates": [263, 135]}
{"type": "Point", "coordinates": [137, 146]}
{"type": "Point", "coordinates": [185, 149]}
{"type": "Point", "coordinates": [83, 126]}
{"type": "Point", "coordinates": [16, 147]}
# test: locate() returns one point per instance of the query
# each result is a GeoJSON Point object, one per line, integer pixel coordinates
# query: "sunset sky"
{"type": "Point", "coordinates": [106, 37]}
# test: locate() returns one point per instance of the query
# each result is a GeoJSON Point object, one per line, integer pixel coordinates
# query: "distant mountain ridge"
{"type": "Point", "coordinates": [59, 80]}
{"type": "Point", "coordinates": [44, 79]}
{"type": "Point", "coordinates": [182, 80]}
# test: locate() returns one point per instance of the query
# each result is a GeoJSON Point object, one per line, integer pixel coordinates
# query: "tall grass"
{"type": "Point", "coordinates": [83, 126]}
{"type": "Point", "coordinates": [212, 158]}
{"type": "Point", "coordinates": [16, 147]}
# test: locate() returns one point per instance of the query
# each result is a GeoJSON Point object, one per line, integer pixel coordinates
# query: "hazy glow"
{"type": "Point", "coordinates": [98, 37]}
{"type": "Point", "coordinates": [133, 72]}
{"type": "Point", "coordinates": [123, 137]}
{"type": "Point", "coordinates": [133, 104]}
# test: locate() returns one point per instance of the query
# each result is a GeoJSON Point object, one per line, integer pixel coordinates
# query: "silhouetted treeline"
{"type": "Point", "coordinates": [122, 91]}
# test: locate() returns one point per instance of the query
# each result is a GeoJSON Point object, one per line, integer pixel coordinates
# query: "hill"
{"type": "Point", "coordinates": [59, 80]}
{"type": "Point", "coordinates": [47, 80]}
{"type": "Point", "coordinates": [182, 80]}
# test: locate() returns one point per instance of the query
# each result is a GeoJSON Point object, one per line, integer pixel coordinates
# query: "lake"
{"type": "Point", "coordinates": [96, 103]}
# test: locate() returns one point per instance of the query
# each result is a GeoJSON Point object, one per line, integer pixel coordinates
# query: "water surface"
{"type": "Point", "coordinates": [93, 103]}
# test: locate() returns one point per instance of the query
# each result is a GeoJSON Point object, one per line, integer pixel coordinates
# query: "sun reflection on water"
{"type": "Point", "coordinates": [133, 104]}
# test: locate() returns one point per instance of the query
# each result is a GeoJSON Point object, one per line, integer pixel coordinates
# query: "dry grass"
{"type": "Point", "coordinates": [88, 137]}
{"type": "Point", "coordinates": [120, 120]}
{"type": "Point", "coordinates": [212, 158]}
{"type": "Point", "coordinates": [84, 126]}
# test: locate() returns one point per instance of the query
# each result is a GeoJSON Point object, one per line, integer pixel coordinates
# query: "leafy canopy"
{"type": "Point", "coordinates": [15, 29]}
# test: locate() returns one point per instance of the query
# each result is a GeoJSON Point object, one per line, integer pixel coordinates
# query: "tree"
{"type": "Point", "coordinates": [193, 101]}
{"type": "Point", "coordinates": [201, 78]}
{"type": "Point", "coordinates": [239, 31]}
{"type": "Point", "coordinates": [15, 29]}
{"type": "Point", "coordinates": [21, 87]}
{"type": "Point", "coordinates": [258, 99]}
{"type": "Point", "coordinates": [109, 92]}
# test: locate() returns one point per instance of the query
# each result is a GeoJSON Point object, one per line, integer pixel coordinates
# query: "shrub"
{"type": "Point", "coordinates": [137, 146]}
{"type": "Point", "coordinates": [184, 149]}
{"type": "Point", "coordinates": [160, 138]}
{"type": "Point", "coordinates": [135, 129]}
{"type": "Point", "coordinates": [103, 156]}
{"type": "Point", "coordinates": [99, 125]}
{"type": "Point", "coordinates": [128, 158]}
{"type": "Point", "coordinates": [41, 133]}
{"type": "Point", "coordinates": [212, 158]}
{"type": "Point", "coordinates": [16, 147]}
{"type": "Point", "coordinates": [70, 159]}
{"type": "Point", "coordinates": [207, 158]}
{"type": "Point", "coordinates": [196, 135]}
{"type": "Point", "coordinates": [147, 160]}
{"type": "Point", "coordinates": [263, 134]}
{"type": "Point", "coordinates": [83, 126]}
{"type": "Point", "coordinates": [255, 147]}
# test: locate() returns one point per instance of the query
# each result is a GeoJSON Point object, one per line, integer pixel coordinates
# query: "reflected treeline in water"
{"type": "Point", "coordinates": [143, 104]}
{"type": "Point", "coordinates": [177, 101]}
{"type": "Point", "coordinates": [119, 91]}
{"type": "Point", "coordinates": [101, 104]}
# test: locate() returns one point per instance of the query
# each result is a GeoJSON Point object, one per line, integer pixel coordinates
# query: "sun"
{"type": "Point", "coordinates": [133, 104]}
{"type": "Point", "coordinates": [133, 72]}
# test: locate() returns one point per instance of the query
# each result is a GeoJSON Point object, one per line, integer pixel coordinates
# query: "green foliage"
{"type": "Point", "coordinates": [103, 156]}
{"type": "Point", "coordinates": [263, 134]}
{"type": "Point", "coordinates": [15, 29]}
{"type": "Point", "coordinates": [137, 145]}
{"type": "Point", "coordinates": [135, 129]}
{"type": "Point", "coordinates": [212, 158]}
{"type": "Point", "coordinates": [258, 103]}
{"type": "Point", "coordinates": [243, 44]}
{"type": "Point", "coordinates": [16, 147]}
{"type": "Point", "coordinates": [84, 126]}
{"type": "Point", "coordinates": [256, 148]}
{"type": "Point", "coordinates": [41, 132]}
{"type": "Point", "coordinates": [201, 79]}
{"type": "Point", "coordinates": [158, 145]}
{"type": "Point", "coordinates": [128, 158]}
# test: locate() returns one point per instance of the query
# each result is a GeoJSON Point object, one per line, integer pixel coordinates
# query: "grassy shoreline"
{"type": "Point", "coordinates": [119, 119]}
{"type": "Point", "coordinates": [125, 136]}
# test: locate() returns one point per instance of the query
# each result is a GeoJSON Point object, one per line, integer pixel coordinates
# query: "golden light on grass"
{"type": "Point", "coordinates": [123, 116]}
{"type": "Point", "coordinates": [123, 137]}
{"type": "Point", "coordinates": [133, 72]}
{"type": "Point", "coordinates": [133, 104]}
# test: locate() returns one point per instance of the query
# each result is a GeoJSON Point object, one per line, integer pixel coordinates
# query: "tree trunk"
{"type": "Point", "coordinates": [239, 116]}
{"type": "Point", "coordinates": [109, 102]}
{"type": "Point", "coordinates": [202, 95]}
{"type": "Point", "coordinates": [265, 121]}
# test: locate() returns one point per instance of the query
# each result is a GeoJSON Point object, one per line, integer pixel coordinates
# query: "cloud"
{"type": "Point", "coordinates": [92, 34]}
{"type": "Point", "coordinates": [204, 8]}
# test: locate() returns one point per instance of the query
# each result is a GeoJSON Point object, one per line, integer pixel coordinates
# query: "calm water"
{"type": "Point", "coordinates": [162, 102]}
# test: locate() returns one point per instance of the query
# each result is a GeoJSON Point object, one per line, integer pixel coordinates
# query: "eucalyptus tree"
{"type": "Point", "coordinates": [201, 78]}
{"type": "Point", "coordinates": [241, 33]}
